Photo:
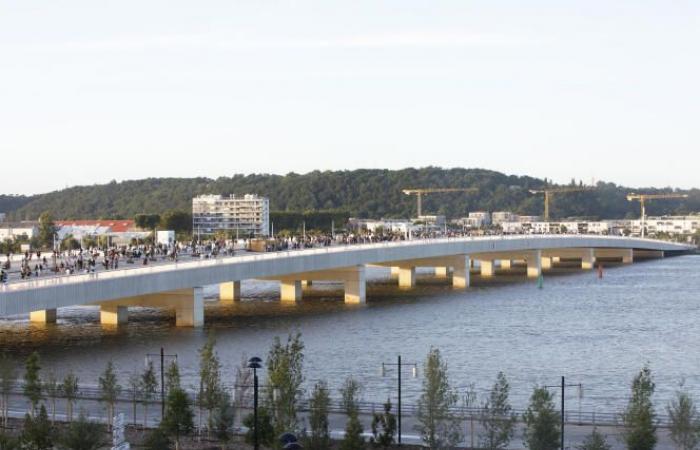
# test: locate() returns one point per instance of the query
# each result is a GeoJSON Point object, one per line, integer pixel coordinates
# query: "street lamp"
{"type": "Point", "coordinates": [414, 373]}
{"type": "Point", "coordinates": [162, 376]}
{"type": "Point", "coordinates": [563, 387]}
{"type": "Point", "coordinates": [255, 363]}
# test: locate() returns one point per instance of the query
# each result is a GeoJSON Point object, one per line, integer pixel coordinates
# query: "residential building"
{"type": "Point", "coordinates": [673, 225]}
{"type": "Point", "coordinates": [21, 230]}
{"type": "Point", "coordinates": [247, 215]}
{"type": "Point", "coordinates": [498, 217]}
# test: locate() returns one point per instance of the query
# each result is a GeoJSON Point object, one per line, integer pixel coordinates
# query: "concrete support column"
{"type": "Point", "coordinates": [306, 283]}
{"type": "Point", "coordinates": [587, 259]}
{"type": "Point", "coordinates": [189, 311]}
{"type": "Point", "coordinates": [546, 262]}
{"type": "Point", "coordinates": [114, 314]}
{"type": "Point", "coordinates": [506, 264]}
{"type": "Point", "coordinates": [230, 291]}
{"type": "Point", "coordinates": [355, 284]}
{"type": "Point", "coordinates": [395, 271]}
{"type": "Point", "coordinates": [441, 272]}
{"type": "Point", "coordinates": [534, 264]}
{"type": "Point", "coordinates": [407, 276]}
{"type": "Point", "coordinates": [627, 256]}
{"type": "Point", "coordinates": [487, 267]}
{"type": "Point", "coordinates": [290, 290]}
{"type": "Point", "coordinates": [43, 316]}
{"type": "Point", "coordinates": [460, 276]}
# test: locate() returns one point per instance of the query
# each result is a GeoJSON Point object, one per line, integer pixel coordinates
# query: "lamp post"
{"type": "Point", "coordinates": [255, 363]}
{"type": "Point", "coordinates": [563, 387]}
{"type": "Point", "coordinates": [162, 356]}
{"type": "Point", "coordinates": [399, 365]}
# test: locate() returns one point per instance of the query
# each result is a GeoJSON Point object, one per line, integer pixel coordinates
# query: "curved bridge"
{"type": "Point", "coordinates": [179, 285]}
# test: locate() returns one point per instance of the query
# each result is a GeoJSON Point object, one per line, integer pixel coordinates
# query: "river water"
{"type": "Point", "coordinates": [598, 332]}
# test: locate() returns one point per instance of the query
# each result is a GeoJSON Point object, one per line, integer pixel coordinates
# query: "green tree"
{"type": "Point", "coordinates": [319, 404]}
{"type": "Point", "coordinates": [179, 221]}
{"type": "Point", "coordinates": [384, 427]}
{"type": "Point", "coordinates": [266, 431]}
{"type": "Point", "coordinates": [172, 376]}
{"type": "Point", "coordinates": [47, 229]}
{"type": "Point", "coordinates": [83, 434]}
{"type": "Point", "coordinates": [146, 221]}
{"type": "Point", "coordinates": [497, 420]}
{"type": "Point", "coordinates": [594, 441]}
{"type": "Point", "coordinates": [32, 380]}
{"type": "Point", "coordinates": [149, 385]}
{"type": "Point", "coordinates": [53, 390]}
{"type": "Point", "coordinates": [639, 417]}
{"type": "Point", "coordinates": [158, 439]}
{"type": "Point", "coordinates": [179, 417]}
{"type": "Point", "coordinates": [223, 417]}
{"type": "Point", "coordinates": [541, 422]}
{"type": "Point", "coordinates": [109, 390]}
{"type": "Point", "coordinates": [134, 392]}
{"type": "Point", "coordinates": [37, 434]}
{"type": "Point", "coordinates": [685, 426]}
{"type": "Point", "coordinates": [69, 388]}
{"type": "Point", "coordinates": [350, 393]}
{"type": "Point", "coordinates": [8, 377]}
{"type": "Point", "coordinates": [8, 442]}
{"type": "Point", "coordinates": [210, 389]}
{"type": "Point", "coordinates": [285, 376]}
{"type": "Point", "coordinates": [437, 427]}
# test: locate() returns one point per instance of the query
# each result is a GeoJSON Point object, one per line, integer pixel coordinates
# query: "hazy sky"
{"type": "Point", "coordinates": [94, 90]}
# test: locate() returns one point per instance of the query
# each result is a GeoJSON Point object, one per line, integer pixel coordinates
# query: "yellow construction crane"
{"type": "Point", "coordinates": [419, 194]}
{"type": "Point", "coordinates": [641, 198]}
{"type": "Point", "coordinates": [548, 194]}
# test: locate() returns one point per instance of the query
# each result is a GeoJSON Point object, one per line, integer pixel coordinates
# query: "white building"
{"type": "Point", "coordinates": [673, 225]}
{"type": "Point", "coordinates": [247, 215]}
{"type": "Point", "coordinates": [2, 217]}
{"type": "Point", "coordinates": [498, 217]}
{"type": "Point", "coordinates": [11, 231]}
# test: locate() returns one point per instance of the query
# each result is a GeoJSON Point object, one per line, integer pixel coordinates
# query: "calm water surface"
{"type": "Point", "coordinates": [598, 332]}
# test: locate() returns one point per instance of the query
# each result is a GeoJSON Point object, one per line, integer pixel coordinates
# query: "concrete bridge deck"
{"type": "Point", "coordinates": [179, 285]}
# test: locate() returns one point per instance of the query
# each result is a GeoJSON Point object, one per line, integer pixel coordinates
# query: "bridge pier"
{"type": "Point", "coordinates": [114, 314]}
{"type": "Point", "coordinates": [407, 276]}
{"type": "Point", "coordinates": [43, 316]}
{"type": "Point", "coordinates": [487, 267]}
{"type": "Point", "coordinates": [355, 284]}
{"type": "Point", "coordinates": [395, 271]}
{"type": "Point", "coordinates": [306, 283]}
{"type": "Point", "coordinates": [506, 263]}
{"type": "Point", "coordinates": [587, 259]}
{"type": "Point", "coordinates": [546, 262]}
{"type": "Point", "coordinates": [290, 290]}
{"type": "Point", "coordinates": [230, 291]}
{"type": "Point", "coordinates": [189, 309]}
{"type": "Point", "coordinates": [461, 273]}
{"type": "Point", "coordinates": [624, 254]}
{"type": "Point", "coordinates": [534, 263]}
{"type": "Point", "coordinates": [441, 271]}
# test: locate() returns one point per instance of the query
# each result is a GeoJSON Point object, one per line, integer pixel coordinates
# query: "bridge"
{"type": "Point", "coordinates": [179, 285]}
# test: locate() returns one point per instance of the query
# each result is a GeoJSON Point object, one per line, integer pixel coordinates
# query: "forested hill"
{"type": "Point", "coordinates": [360, 193]}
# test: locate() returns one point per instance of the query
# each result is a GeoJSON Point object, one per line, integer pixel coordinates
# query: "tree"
{"type": "Point", "coordinates": [82, 434]}
{"type": "Point", "coordinates": [149, 385]}
{"type": "Point", "coordinates": [109, 390]}
{"type": "Point", "coordinates": [146, 221]}
{"type": "Point", "coordinates": [179, 418]}
{"type": "Point", "coordinates": [209, 378]}
{"type": "Point", "coordinates": [37, 433]}
{"type": "Point", "coordinates": [158, 439]}
{"type": "Point", "coordinates": [497, 420]}
{"type": "Point", "coordinates": [47, 229]}
{"type": "Point", "coordinates": [319, 404]}
{"type": "Point", "coordinates": [32, 381]}
{"type": "Point", "coordinates": [594, 441]}
{"type": "Point", "coordinates": [223, 416]}
{"type": "Point", "coordinates": [639, 417]}
{"type": "Point", "coordinates": [8, 377]}
{"type": "Point", "coordinates": [541, 422]}
{"type": "Point", "coordinates": [350, 393]}
{"type": "Point", "coordinates": [437, 427]}
{"type": "Point", "coordinates": [285, 376]}
{"type": "Point", "coordinates": [179, 221]}
{"type": "Point", "coordinates": [69, 388]}
{"type": "Point", "coordinates": [172, 376]}
{"type": "Point", "coordinates": [53, 390]}
{"type": "Point", "coordinates": [383, 427]}
{"type": "Point", "coordinates": [134, 392]}
{"type": "Point", "coordinates": [266, 431]}
{"type": "Point", "coordinates": [685, 426]}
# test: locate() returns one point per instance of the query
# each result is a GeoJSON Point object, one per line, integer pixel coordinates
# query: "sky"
{"type": "Point", "coordinates": [92, 91]}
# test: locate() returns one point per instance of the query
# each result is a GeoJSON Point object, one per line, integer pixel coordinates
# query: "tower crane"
{"type": "Point", "coordinates": [419, 194]}
{"type": "Point", "coordinates": [549, 191]}
{"type": "Point", "coordinates": [641, 198]}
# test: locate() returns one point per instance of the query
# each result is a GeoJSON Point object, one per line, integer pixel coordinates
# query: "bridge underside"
{"type": "Point", "coordinates": [189, 303]}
